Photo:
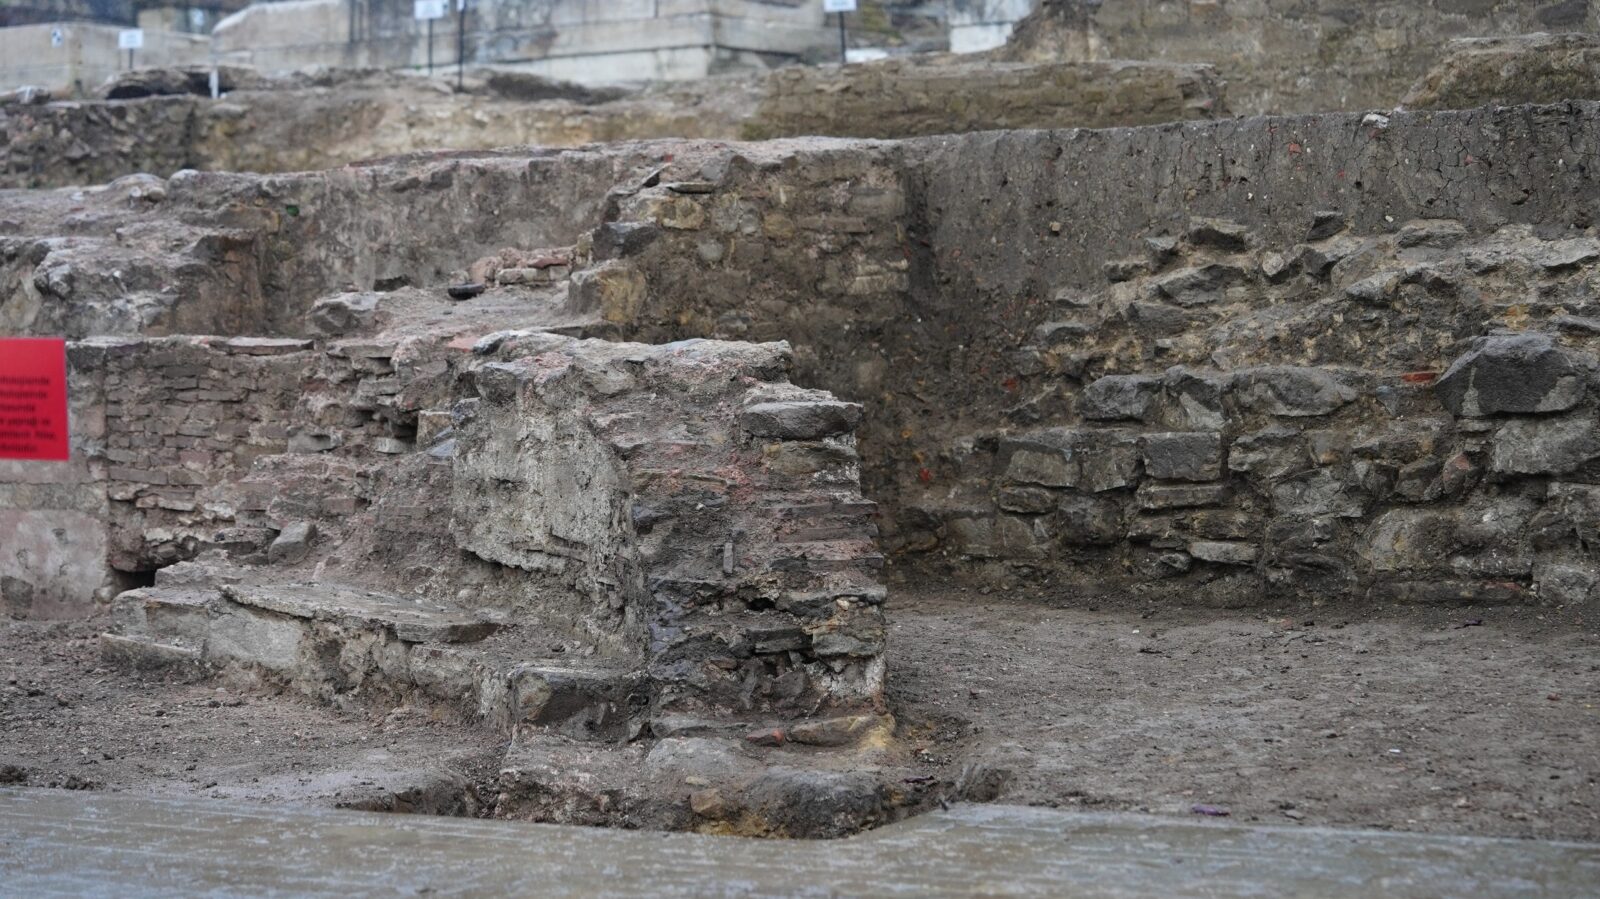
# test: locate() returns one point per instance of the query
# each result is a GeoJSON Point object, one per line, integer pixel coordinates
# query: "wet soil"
{"type": "Point", "coordinates": [1445, 720]}
{"type": "Point", "coordinates": [1468, 721]}
{"type": "Point", "coordinates": [68, 721]}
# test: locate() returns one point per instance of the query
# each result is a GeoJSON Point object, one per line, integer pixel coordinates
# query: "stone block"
{"type": "Point", "coordinates": [1545, 446]}
{"type": "Point", "coordinates": [292, 544]}
{"type": "Point", "coordinates": [1183, 456]}
{"type": "Point", "coordinates": [800, 420]}
{"type": "Point", "coordinates": [1565, 583]}
{"type": "Point", "coordinates": [1515, 374]}
{"type": "Point", "coordinates": [1201, 285]}
{"type": "Point", "coordinates": [1224, 552]}
{"type": "Point", "coordinates": [1120, 397]}
{"type": "Point", "coordinates": [614, 290]}
{"type": "Point", "coordinates": [1090, 459]}
{"type": "Point", "coordinates": [1177, 496]}
{"type": "Point", "coordinates": [1290, 391]}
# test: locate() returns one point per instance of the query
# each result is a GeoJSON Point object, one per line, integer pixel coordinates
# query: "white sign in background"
{"type": "Point", "coordinates": [130, 39]}
{"type": "Point", "coordinates": [424, 10]}
{"type": "Point", "coordinates": [838, 5]}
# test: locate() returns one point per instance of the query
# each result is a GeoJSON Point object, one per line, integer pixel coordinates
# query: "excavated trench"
{"type": "Point", "coordinates": [1327, 364]}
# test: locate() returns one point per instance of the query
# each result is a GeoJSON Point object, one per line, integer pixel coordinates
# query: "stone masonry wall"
{"type": "Point", "coordinates": [206, 253]}
{"type": "Point", "coordinates": [1284, 284]}
{"type": "Point", "coordinates": [1235, 355]}
{"type": "Point", "coordinates": [731, 516]}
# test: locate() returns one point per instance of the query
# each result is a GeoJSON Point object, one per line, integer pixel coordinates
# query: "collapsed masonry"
{"type": "Point", "coordinates": [1347, 357]}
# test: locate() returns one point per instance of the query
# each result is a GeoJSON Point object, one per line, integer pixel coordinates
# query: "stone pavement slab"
{"type": "Point", "coordinates": [61, 843]}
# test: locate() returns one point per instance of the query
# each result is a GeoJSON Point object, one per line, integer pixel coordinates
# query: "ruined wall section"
{"type": "Point", "coordinates": [211, 253]}
{"type": "Point", "coordinates": [53, 514]}
{"type": "Point", "coordinates": [699, 489]}
{"type": "Point", "coordinates": [1230, 361]}
{"type": "Point", "coordinates": [802, 241]}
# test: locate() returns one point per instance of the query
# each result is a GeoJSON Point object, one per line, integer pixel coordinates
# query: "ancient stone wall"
{"type": "Point", "coordinates": [1274, 297]}
{"type": "Point", "coordinates": [731, 515]}
{"type": "Point", "coordinates": [1289, 56]}
{"type": "Point", "coordinates": [234, 254]}
{"type": "Point", "coordinates": [686, 498]}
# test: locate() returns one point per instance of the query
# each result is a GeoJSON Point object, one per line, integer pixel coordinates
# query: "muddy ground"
{"type": "Point", "coordinates": [1451, 720]}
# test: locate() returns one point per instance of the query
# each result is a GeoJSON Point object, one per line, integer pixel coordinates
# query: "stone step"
{"type": "Point", "coordinates": [359, 648]}
{"type": "Point", "coordinates": [409, 620]}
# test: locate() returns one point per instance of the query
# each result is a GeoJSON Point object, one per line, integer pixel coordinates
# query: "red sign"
{"type": "Point", "coordinates": [33, 398]}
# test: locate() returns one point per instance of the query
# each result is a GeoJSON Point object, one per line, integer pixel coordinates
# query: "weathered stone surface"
{"type": "Point", "coordinates": [1094, 460]}
{"type": "Point", "coordinates": [1545, 446]}
{"type": "Point", "coordinates": [1291, 391]}
{"type": "Point", "coordinates": [292, 544]}
{"type": "Point", "coordinates": [1177, 496]}
{"type": "Point", "coordinates": [1183, 456]}
{"type": "Point", "coordinates": [1224, 553]}
{"type": "Point", "coordinates": [800, 420]}
{"type": "Point", "coordinates": [1120, 397]}
{"type": "Point", "coordinates": [1201, 285]}
{"type": "Point", "coordinates": [1522, 373]}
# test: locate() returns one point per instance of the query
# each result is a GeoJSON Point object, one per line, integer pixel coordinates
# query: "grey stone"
{"type": "Point", "coordinates": [345, 313]}
{"type": "Point", "coordinates": [1200, 285]}
{"type": "Point", "coordinates": [1093, 460]}
{"type": "Point", "coordinates": [1177, 496]}
{"type": "Point", "coordinates": [1565, 583]}
{"type": "Point", "coordinates": [1224, 552]}
{"type": "Point", "coordinates": [1272, 453]}
{"type": "Point", "coordinates": [999, 536]}
{"type": "Point", "coordinates": [1519, 374]}
{"type": "Point", "coordinates": [1120, 397]}
{"type": "Point", "coordinates": [1026, 500]}
{"type": "Point", "coordinates": [1219, 234]}
{"type": "Point", "coordinates": [1319, 492]}
{"type": "Point", "coordinates": [292, 544]}
{"type": "Point", "coordinates": [1290, 391]}
{"type": "Point", "coordinates": [1544, 446]}
{"type": "Point", "coordinates": [1183, 456]}
{"type": "Point", "coordinates": [1376, 290]}
{"type": "Point", "coordinates": [800, 420]}
{"type": "Point", "coordinates": [1089, 521]}
{"type": "Point", "coordinates": [1564, 255]}
{"type": "Point", "coordinates": [1324, 224]}
{"type": "Point", "coordinates": [1194, 399]}
{"type": "Point", "coordinates": [1433, 233]}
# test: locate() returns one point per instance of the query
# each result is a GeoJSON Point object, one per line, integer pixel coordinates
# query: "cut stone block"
{"type": "Point", "coordinates": [412, 621]}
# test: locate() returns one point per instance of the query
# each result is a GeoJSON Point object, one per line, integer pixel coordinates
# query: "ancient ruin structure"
{"type": "Point", "coordinates": [619, 451]}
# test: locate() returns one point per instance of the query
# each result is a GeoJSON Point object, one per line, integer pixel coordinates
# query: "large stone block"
{"type": "Point", "coordinates": [1183, 456]}
{"type": "Point", "coordinates": [1545, 446]}
{"type": "Point", "coordinates": [1291, 391]}
{"type": "Point", "coordinates": [1519, 374]}
{"type": "Point", "coordinates": [1089, 459]}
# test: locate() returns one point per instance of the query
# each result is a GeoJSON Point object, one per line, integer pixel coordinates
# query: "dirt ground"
{"type": "Point", "coordinates": [68, 721]}
{"type": "Point", "coordinates": [1448, 720]}
{"type": "Point", "coordinates": [1472, 721]}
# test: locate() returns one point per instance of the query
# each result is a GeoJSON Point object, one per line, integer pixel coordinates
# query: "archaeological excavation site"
{"type": "Point", "coordinates": [1174, 411]}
